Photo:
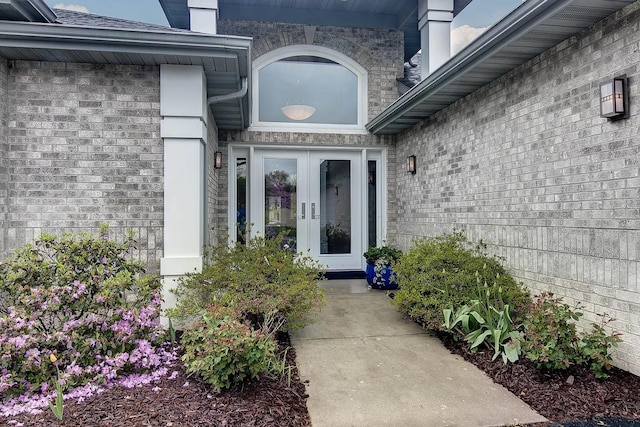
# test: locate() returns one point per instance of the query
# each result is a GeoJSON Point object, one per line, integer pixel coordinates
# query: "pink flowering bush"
{"type": "Point", "coordinates": [83, 299]}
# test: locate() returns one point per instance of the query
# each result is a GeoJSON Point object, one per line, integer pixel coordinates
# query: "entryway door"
{"type": "Point", "coordinates": [315, 197]}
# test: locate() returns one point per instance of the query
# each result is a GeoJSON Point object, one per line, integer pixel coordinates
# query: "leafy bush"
{"type": "Point", "coordinates": [551, 338]}
{"type": "Point", "coordinates": [384, 252]}
{"type": "Point", "coordinates": [440, 272]}
{"type": "Point", "coordinates": [83, 300]}
{"type": "Point", "coordinates": [553, 342]}
{"type": "Point", "coordinates": [482, 323]}
{"type": "Point", "coordinates": [223, 350]}
{"type": "Point", "coordinates": [261, 279]}
{"type": "Point", "coordinates": [596, 346]}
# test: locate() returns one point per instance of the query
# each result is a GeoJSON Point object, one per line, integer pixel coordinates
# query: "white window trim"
{"type": "Point", "coordinates": [323, 52]}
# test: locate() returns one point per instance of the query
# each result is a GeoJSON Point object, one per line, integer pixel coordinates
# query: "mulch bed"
{"type": "Point", "coordinates": [268, 402]}
{"type": "Point", "coordinates": [563, 397]}
{"type": "Point", "coordinates": [569, 399]}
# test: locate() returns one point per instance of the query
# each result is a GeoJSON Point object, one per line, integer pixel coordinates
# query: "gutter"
{"type": "Point", "coordinates": [20, 34]}
{"type": "Point", "coordinates": [230, 96]}
{"type": "Point", "coordinates": [519, 22]}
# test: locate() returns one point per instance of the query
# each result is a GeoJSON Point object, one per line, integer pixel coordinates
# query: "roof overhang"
{"type": "Point", "coordinates": [226, 60]}
{"type": "Point", "coordinates": [400, 15]}
{"type": "Point", "coordinates": [532, 28]}
{"type": "Point", "coordinates": [26, 10]}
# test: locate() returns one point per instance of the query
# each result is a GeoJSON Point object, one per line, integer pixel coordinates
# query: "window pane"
{"type": "Point", "coordinates": [241, 199]}
{"type": "Point", "coordinates": [335, 207]}
{"type": "Point", "coordinates": [372, 205]}
{"type": "Point", "coordinates": [280, 191]}
{"type": "Point", "coordinates": [328, 90]}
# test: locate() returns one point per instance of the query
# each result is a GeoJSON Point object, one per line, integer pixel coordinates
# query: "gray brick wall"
{"type": "Point", "coordinates": [84, 147]}
{"type": "Point", "coordinates": [527, 164]}
{"type": "Point", "coordinates": [216, 197]}
{"type": "Point", "coordinates": [4, 75]}
{"type": "Point", "coordinates": [380, 52]}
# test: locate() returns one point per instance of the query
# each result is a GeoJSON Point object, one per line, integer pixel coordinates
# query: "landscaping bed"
{"type": "Point", "coordinates": [186, 401]}
{"type": "Point", "coordinates": [574, 394]}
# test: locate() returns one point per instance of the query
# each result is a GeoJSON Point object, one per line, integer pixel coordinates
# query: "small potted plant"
{"type": "Point", "coordinates": [380, 260]}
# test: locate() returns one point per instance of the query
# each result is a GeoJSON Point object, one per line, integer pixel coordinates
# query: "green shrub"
{"type": "Point", "coordinates": [83, 300]}
{"type": "Point", "coordinates": [596, 346]}
{"type": "Point", "coordinates": [440, 272]}
{"type": "Point", "coordinates": [223, 350]}
{"type": "Point", "coordinates": [553, 342]}
{"type": "Point", "coordinates": [261, 279]}
{"type": "Point", "coordinates": [551, 338]}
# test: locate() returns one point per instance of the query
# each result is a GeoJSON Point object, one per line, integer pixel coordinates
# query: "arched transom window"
{"type": "Point", "coordinates": [310, 88]}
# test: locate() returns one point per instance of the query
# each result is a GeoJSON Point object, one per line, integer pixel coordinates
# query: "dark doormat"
{"type": "Point", "coordinates": [345, 274]}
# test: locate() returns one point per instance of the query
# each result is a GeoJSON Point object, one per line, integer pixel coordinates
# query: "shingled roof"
{"type": "Point", "coordinates": [89, 20]}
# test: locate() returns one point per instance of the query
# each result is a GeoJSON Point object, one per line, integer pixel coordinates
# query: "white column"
{"type": "Point", "coordinates": [203, 15]}
{"type": "Point", "coordinates": [183, 107]}
{"type": "Point", "coordinates": [434, 23]}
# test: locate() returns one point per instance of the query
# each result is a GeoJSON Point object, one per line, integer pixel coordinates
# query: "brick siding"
{"type": "Point", "coordinates": [4, 75]}
{"type": "Point", "coordinates": [380, 52]}
{"type": "Point", "coordinates": [527, 165]}
{"type": "Point", "coordinates": [84, 147]}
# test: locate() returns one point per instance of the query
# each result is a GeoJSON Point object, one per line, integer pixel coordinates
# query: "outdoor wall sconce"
{"type": "Point", "coordinates": [411, 165]}
{"type": "Point", "coordinates": [614, 99]}
{"type": "Point", "coordinates": [217, 160]}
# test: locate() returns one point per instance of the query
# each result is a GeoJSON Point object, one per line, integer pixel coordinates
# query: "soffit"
{"type": "Point", "coordinates": [226, 60]}
{"type": "Point", "coordinates": [534, 27]}
{"type": "Point", "coordinates": [26, 10]}
{"type": "Point", "coordinates": [383, 14]}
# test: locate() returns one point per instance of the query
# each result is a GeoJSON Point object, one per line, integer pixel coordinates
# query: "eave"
{"type": "Point", "coordinates": [534, 27]}
{"type": "Point", "coordinates": [225, 59]}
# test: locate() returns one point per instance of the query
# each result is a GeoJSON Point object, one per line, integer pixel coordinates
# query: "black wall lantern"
{"type": "Point", "coordinates": [217, 160]}
{"type": "Point", "coordinates": [614, 99]}
{"type": "Point", "coordinates": [411, 165]}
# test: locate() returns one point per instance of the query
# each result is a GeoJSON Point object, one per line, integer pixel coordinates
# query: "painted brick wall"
{"type": "Point", "coordinates": [380, 52]}
{"type": "Point", "coordinates": [527, 164]}
{"type": "Point", "coordinates": [85, 148]}
{"type": "Point", "coordinates": [4, 75]}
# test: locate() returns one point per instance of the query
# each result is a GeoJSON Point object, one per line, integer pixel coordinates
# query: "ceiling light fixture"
{"type": "Point", "coordinates": [298, 112]}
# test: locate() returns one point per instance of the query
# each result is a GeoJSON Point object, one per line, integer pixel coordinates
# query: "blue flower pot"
{"type": "Point", "coordinates": [383, 281]}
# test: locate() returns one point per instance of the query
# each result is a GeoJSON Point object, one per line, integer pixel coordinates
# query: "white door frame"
{"type": "Point", "coordinates": [379, 154]}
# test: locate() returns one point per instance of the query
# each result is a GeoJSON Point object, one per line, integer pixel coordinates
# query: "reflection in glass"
{"type": "Point", "coordinates": [241, 200]}
{"type": "Point", "coordinates": [327, 90]}
{"type": "Point", "coordinates": [280, 197]}
{"type": "Point", "coordinates": [372, 204]}
{"type": "Point", "coordinates": [335, 207]}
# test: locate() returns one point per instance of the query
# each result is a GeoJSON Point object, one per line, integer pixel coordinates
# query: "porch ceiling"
{"type": "Point", "coordinates": [534, 27]}
{"type": "Point", "coordinates": [389, 14]}
{"type": "Point", "coordinates": [226, 60]}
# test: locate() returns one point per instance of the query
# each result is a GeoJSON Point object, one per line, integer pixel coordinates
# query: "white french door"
{"type": "Point", "coordinates": [315, 197]}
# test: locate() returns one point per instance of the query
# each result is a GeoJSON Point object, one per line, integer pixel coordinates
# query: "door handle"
{"type": "Point", "coordinates": [304, 209]}
{"type": "Point", "coordinates": [313, 211]}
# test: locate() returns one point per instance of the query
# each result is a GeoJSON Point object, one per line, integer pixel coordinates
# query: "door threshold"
{"type": "Point", "coordinates": [344, 274]}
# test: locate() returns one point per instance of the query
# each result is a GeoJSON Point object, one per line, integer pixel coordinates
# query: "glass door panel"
{"type": "Point", "coordinates": [336, 226]}
{"type": "Point", "coordinates": [280, 199]}
{"type": "Point", "coordinates": [335, 207]}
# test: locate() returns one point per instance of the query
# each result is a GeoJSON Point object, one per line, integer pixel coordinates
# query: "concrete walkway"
{"type": "Point", "coordinates": [367, 366]}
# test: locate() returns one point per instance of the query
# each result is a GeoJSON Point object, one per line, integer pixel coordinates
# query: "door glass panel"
{"type": "Point", "coordinates": [335, 207]}
{"type": "Point", "coordinates": [280, 198]}
{"type": "Point", "coordinates": [372, 203]}
{"type": "Point", "coordinates": [241, 200]}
